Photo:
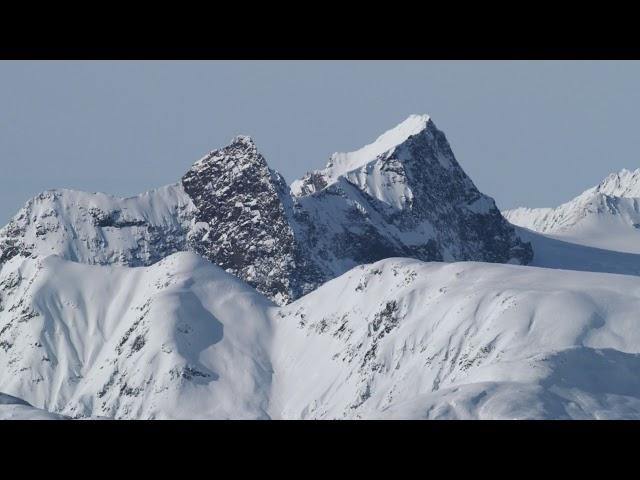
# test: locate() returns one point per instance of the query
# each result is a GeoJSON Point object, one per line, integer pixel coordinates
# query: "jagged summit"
{"type": "Point", "coordinates": [625, 183]}
{"type": "Point", "coordinates": [605, 216]}
{"type": "Point", "coordinates": [412, 199]}
{"type": "Point", "coordinates": [241, 148]}
{"type": "Point", "coordinates": [244, 139]}
{"type": "Point", "coordinates": [404, 195]}
{"type": "Point", "coordinates": [240, 222]}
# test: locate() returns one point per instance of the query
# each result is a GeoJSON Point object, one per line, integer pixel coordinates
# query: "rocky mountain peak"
{"type": "Point", "coordinates": [238, 156]}
{"type": "Point", "coordinates": [404, 195]}
{"type": "Point", "coordinates": [244, 140]}
{"type": "Point", "coordinates": [240, 220]}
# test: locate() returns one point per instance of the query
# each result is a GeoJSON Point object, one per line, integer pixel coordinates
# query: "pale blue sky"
{"type": "Point", "coordinates": [528, 133]}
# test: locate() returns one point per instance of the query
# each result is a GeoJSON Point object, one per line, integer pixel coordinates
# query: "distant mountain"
{"type": "Point", "coordinates": [606, 216]}
{"type": "Point", "coordinates": [403, 195]}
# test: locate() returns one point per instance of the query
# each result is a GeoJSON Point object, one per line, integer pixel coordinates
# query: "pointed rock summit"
{"type": "Point", "coordinates": [240, 221]}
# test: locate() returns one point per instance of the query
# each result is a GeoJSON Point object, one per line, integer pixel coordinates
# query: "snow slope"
{"type": "Point", "coordinates": [556, 252]}
{"type": "Point", "coordinates": [406, 339]}
{"type": "Point", "coordinates": [104, 312]}
{"type": "Point", "coordinates": [178, 339]}
{"type": "Point", "coordinates": [12, 408]}
{"type": "Point", "coordinates": [606, 216]}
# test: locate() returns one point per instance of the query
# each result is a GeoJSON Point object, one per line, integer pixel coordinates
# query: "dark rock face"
{"type": "Point", "coordinates": [467, 225]}
{"type": "Point", "coordinates": [241, 222]}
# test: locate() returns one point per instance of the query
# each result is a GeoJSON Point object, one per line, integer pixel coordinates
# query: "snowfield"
{"type": "Point", "coordinates": [398, 338]}
{"type": "Point", "coordinates": [12, 408]}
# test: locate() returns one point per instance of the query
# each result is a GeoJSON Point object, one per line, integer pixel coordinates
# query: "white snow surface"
{"type": "Point", "coordinates": [406, 339]}
{"type": "Point", "coordinates": [136, 330]}
{"type": "Point", "coordinates": [396, 339]}
{"type": "Point", "coordinates": [12, 408]}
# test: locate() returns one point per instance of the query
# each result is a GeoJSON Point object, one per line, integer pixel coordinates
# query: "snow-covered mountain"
{"type": "Point", "coordinates": [605, 216]}
{"type": "Point", "coordinates": [406, 339]}
{"type": "Point", "coordinates": [346, 295]}
{"type": "Point", "coordinates": [96, 228]}
{"type": "Point", "coordinates": [399, 338]}
{"type": "Point", "coordinates": [403, 195]}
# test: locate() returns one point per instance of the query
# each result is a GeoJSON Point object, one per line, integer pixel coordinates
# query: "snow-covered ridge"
{"type": "Point", "coordinates": [403, 195]}
{"type": "Point", "coordinates": [605, 216]}
{"type": "Point", "coordinates": [398, 338]}
{"type": "Point", "coordinates": [341, 163]}
{"type": "Point", "coordinates": [106, 312]}
{"type": "Point", "coordinates": [97, 228]}
{"type": "Point", "coordinates": [625, 183]}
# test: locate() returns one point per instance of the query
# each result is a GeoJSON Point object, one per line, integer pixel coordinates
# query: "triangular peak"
{"type": "Point", "coordinates": [342, 162]}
